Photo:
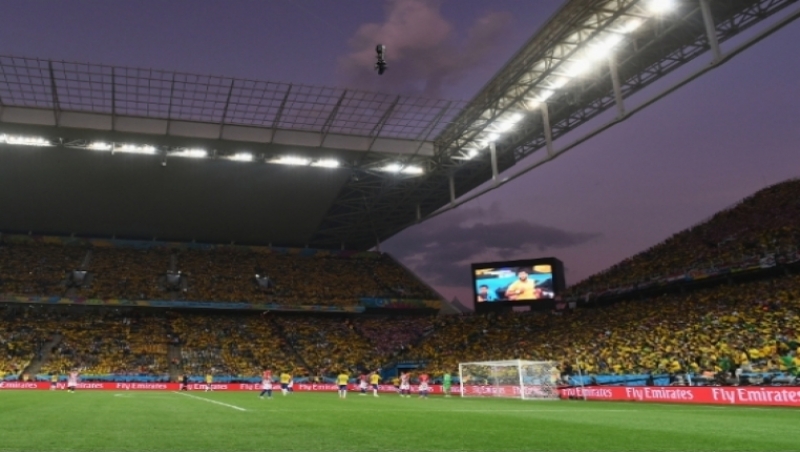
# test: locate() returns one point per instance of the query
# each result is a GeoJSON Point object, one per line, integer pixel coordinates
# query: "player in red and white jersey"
{"type": "Point", "coordinates": [423, 386]}
{"type": "Point", "coordinates": [266, 383]}
{"type": "Point", "coordinates": [363, 384]}
{"type": "Point", "coordinates": [405, 385]}
{"type": "Point", "coordinates": [72, 380]}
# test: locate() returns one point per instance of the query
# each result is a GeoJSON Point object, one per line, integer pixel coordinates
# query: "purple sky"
{"type": "Point", "coordinates": [722, 137]}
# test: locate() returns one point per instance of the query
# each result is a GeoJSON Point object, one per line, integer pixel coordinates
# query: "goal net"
{"type": "Point", "coordinates": [527, 380]}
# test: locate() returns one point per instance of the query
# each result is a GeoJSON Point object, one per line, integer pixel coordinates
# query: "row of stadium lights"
{"type": "Point", "coordinates": [196, 153]}
{"type": "Point", "coordinates": [593, 53]}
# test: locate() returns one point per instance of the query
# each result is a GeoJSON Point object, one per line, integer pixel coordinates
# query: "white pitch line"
{"type": "Point", "coordinates": [210, 401]}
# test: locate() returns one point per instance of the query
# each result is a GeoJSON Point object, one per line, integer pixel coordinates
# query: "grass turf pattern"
{"type": "Point", "coordinates": [239, 421]}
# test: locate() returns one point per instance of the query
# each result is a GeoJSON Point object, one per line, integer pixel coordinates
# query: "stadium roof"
{"type": "Point", "coordinates": [140, 153]}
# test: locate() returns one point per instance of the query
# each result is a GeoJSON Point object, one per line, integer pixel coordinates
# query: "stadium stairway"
{"type": "Point", "coordinates": [297, 354]}
{"type": "Point", "coordinates": [174, 356]}
{"type": "Point", "coordinates": [43, 356]}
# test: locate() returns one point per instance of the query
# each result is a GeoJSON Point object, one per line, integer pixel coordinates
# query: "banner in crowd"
{"type": "Point", "coordinates": [396, 303]}
{"type": "Point", "coordinates": [716, 395]}
{"type": "Point", "coordinates": [8, 298]}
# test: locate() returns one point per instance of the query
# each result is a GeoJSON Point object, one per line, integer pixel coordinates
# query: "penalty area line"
{"type": "Point", "coordinates": [210, 401]}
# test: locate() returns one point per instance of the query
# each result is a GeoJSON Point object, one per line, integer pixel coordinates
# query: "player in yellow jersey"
{"type": "Point", "coordinates": [396, 384]}
{"type": "Point", "coordinates": [374, 379]}
{"type": "Point", "coordinates": [523, 288]}
{"type": "Point", "coordinates": [286, 377]}
{"type": "Point", "coordinates": [209, 380]}
{"type": "Point", "coordinates": [341, 380]}
{"type": "Point", "coordinates": [53, 382]}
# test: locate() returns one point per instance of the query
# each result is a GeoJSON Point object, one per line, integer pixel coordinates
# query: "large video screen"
{"type": "Point", "coordinates": [517, 282]}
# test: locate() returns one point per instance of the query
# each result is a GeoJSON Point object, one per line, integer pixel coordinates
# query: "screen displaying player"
{"type": "Point", "coordinates": [514, 283]}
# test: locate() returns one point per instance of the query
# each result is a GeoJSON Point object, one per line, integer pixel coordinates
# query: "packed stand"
{"type": "Point", "coordinates": [328, 344]}
{"type": "Point", "coordinates": [233, 345]}
{"type": "Point", "coordinates": [36, 267]}
{"type": "Point", "coordinates": [763, 224]}
{"type": "Point", "coordinates": [23, 331]}
{"type": "Point", "coordinates": [127, 273]}
{"type": "Point", "coordinates": [391, 336]}
{"type": "Point", "coordinates": [752, 327]}
{"type": "Point", "coordinates": [110, 342]}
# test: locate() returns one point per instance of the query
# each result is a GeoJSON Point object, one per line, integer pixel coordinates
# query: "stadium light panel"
{"type": "Point", "coordinates": [291, 160]}
{"type": "Point", "coordinates": [190, 153]}
{"type": "Point", "coordinates": [492, 137]}
{"type": "Point", "coordinates": [632, 25]}
{"type": "Point", "coordinates": [326, 163]}
{"type": "Point", "coordinates": [24, 140]}
{"type": "Point", "coordinates": [661, 6]}
{"type": "Point", "coordinates": [241, 157]}
{"type": "Point", "coordinates": [545, 94]}
{"type": "Point", "coordinates": [134, 149]}
{"type": "Point", "coordinates": [398, 168]}
{"type": "Point", "coordinates": [100, 146]}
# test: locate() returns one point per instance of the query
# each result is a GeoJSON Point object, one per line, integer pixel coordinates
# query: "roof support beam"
{"type": "Point", "coordinates": [54, 92]}
{"type": "Point", "coordinates": [225, 110]}
{"type": "Point", "coordinates": [329, 120]}
{"type": "Point", "coordinates": [618, 98]}
{"type": "Point", "coordinates": [376, 131]}
{"type": "Point", "coordinates": [711, 30]}
{"type": "Point", "coordinates": [548, 132]}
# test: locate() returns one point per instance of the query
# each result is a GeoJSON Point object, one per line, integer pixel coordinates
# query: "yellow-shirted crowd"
{"type": "Point", "coordinates": [764, 223]}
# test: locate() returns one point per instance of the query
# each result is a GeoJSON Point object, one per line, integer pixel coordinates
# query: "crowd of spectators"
{"type": "Point", "coordinates": [765, 223]}
{"type": "Point", "coordinates": [37, 268]}
{"type": "Point", "coordinates": [128, 273]}
{"type": "Point", "coordinates": [109, 341]}
{"type": "Point", "coordinates": [226, 274]}
{"type": "Point", "coordinates": [749, 327]}
{"type": "Point", "coordinates": [752, 326]}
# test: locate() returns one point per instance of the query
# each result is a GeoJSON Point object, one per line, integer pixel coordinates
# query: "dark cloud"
{"type": "Point", "coordinates": [423, 51]}
{"type": "Point", "coordinates": [442, 249]}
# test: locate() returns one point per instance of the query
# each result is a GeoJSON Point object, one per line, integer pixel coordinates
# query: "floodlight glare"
{"type": "Point", "coordinates": [99, 146]}
{"type": "Point", "coordinates": [472, 153]}
{"type": "Point", "coordinates": [326, 163]}
{"type": "Point", "coordinates": [632, 25]}
{"type": "Point", "coordinates": [661, 6]}
{"type": "Point", "coordinates": [492, 137]}
{"type": "Point", "coordinates": [190, 153]}
{"type": "Point", "coordinates": [291, 160]}
{"type": "Point", "coordinates": [577, 68]}
{"type": "Point", "coordinates": [24, 141]}
{"type": "Point", "coordinates": [545, 94]}
{"type": "Point", "coordinates": [412, 170]}
{"type": "Point", "coordinates": [133, 149]}
{"type": "Point", "coordinates": [242, 157]}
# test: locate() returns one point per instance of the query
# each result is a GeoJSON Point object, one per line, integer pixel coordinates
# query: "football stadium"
{"type": "Point", "coordinates": [198, 262]}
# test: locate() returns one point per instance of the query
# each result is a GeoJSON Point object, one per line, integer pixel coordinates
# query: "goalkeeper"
{"type": "Point", "coordinates": [447, 382]}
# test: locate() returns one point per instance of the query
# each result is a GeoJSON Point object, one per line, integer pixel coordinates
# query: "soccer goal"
{"type": "Point", "coordinates": [527, 380]}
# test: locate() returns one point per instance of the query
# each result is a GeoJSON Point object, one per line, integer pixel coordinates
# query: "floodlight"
{"type": "Point", "coordinates": [241, 157]}
{"type": "Point", "coordinates": [545, 94]}
{"type": "Point", "coordinates": [631, 25]}
{"type": "Point", "coordinates": [100, 146]}
{"type": "Point", "coordinates": [190, 153]}
{"type": "Point", "coordinates": [326, 163]}
{"type": "Point", "coordinates": [492, 137]}
{"type": "Point", "coordinates": [577, 68]}
{"type": "Point", "coordinates": [291, 160]}
{"type": "Point", "coordinates": [412, 170]}
{"type": "Point", "coordinates": [134, 149]}
{"type": "Point", "coordinates": [24, 140]}
{"type": "Point", "coordinates": [661, 6]}
{"type": "Point", "coordinates": [472, 153]}
{"type": "Point", "coordinates": [392, 168]}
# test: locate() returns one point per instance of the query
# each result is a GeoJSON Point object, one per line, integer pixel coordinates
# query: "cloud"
{"type": "Point", "coordinates": [441, 250]}
{"type": "Point", "coordinates": [423, 51]}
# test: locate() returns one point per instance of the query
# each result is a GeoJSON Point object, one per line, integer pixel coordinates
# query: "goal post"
{"type": "Point", "coordinates": [526, 380]}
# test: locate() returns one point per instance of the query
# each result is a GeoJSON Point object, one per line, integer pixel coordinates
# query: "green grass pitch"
{"type": "Point", "coordinates": [239, 421]}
